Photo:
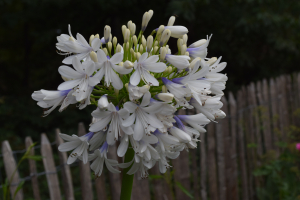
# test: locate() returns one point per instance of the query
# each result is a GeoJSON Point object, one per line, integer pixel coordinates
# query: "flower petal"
{"type": "Point", "coordinates": [68, 72]}
{"type": "Point", "coordinates": [135, 78]}
{"type": "Point", "coordinates": [69, 84]}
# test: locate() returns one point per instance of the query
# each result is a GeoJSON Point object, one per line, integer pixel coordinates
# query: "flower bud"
{"type": "Point", "coordinates": [127, 34]}
{"type": "Point", "coordinates": [121, 64]}
{"type": "Point", "coordinates": [128, 64]}
{"type": "Point", "coordinates": [107, 31]}
{"type": "Point", "coordinates": [192, 65]}
{"type": "Point", "coordinates": [160, 29]}
{"type": "Point", "coordinates": [179, 43]}
{"type": "Point", "coordinates": [134, 39]}
{"type": "Point", "coordinates": [163, 52]}
{"type": "Point", "coordinates": [110, 38]}
{"type": "Point", "coordinates": [156, 43]}
{"type": "Point", "coordinates": [149, 43]}
{"type": "Point", "coordinates": [103, 102]}
{"type": "Point", "coordinates": [144, 89]}
{"type": "Point", "coordinates": [164, 89]}
{"type": "Point", "coordinates": [144, 42]}
{"type": "Point", "coordinates": [105, 51]}
{"type": "Point", "coordinates": [109, 46]}
{"type": "Point", "coordinates": [123, 30]}
{"type": "Point", "coordinates": [93, 56]}
{"type": "Point", "coordinates": [119, 48]}
{"type": "Point", "coordinates": [116, 92]}
{"type": "Point", "coordinates": [171, 21]}
{"type": "Point", "coordinates": [184, 39]}
{"type": "Point", "coordinates": [167, 97]}
{"type": "Point", "coordinates": [127, 46]}
{"type": "Point", "coordinates": [212, 60]}
{"type": "Point", "coordinates": [115, 41]}
{"type": "Point", "coordinates": [126, 86]}
{"type": "Point", "coordinates": [138, 55]}
{"type": "Point", "coordinates": [129, 23]}
{"type": "Point", "coordinates": [170, 69]}
{"type": "Point", "coordinates": [134, 55]}
{"type": "Point", "coordinates": [131, 50]}
{"type": "Point", "coordinates": [155, 50]}
{"type": "Point", "coordinates": [132, 28]}
{"type": "Point", "coordinates": [91, 39]}
{"type": "Point", "coordinates": [188, 98]}
{"type": "Point", "coordinates": [71, 39]}
{"type": "Point", "coordinates": [187, 53]}
{"type": "Point", "coordinates": [183, 49]}
{"type": "Point", "coordinates": [145, 21]}
{"type": "Point", "coordinates": [97, 36]}
{"type": "Point", "coordinates": [141, 49]}
{"type": "Point", "coordinates": [150, 14]}
{"type": "Point", "coordinates": [165, 37]}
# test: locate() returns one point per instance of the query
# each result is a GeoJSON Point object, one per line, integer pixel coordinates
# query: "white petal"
{"type": "Point", "coordinates": [98, 126]}
{"type": "Point", "coordinates": [101, 56]}
{"type": "Point", "coordinates": [68, 146]}
{"type": "Point", "coordinates": [69, 84]}
{"type": "Point", "coordinates": [138, 130]}
{"type": "Point", "coordinates": [116, 58]}
{"type": "Point", "coordinates": [129, 121]}
{"type": "Point", "coordinates": [143, 57]}
{"type": "Point", "coordinates": [68, 72]}
{"type": "Point", "coordinates": [115, 80]}
{"type": "Point", "coordinates": [130, 106]}
{"type": "Point", "coordinates": [89, 67]}
{"type": "Point", "coordinates": [81, 39]}
{"type": "Point", "coordinates": [135, 78]}
{"type": "Point", "coordinates": [146, 99]}
{"type": "Point", "coordinates": [96, 44]}
{"type": "Point", "coordinates": [77, 65]}
{"type": "Point", "coordinates": [155, 67]}
{"type": "Point", "coordinates": [150, 79]}
{"type": "Point", "coordinates": [123, 146]}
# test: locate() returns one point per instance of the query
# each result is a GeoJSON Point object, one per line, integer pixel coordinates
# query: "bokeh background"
{"type": "Point", "coordinates": [257, 38]}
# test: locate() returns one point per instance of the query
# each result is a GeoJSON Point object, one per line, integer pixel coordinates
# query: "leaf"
{"type": "Point", "coordinates": [37, 158]}
{"type": "Point", "coordinates": [184, 190]}
{"type": "Point", "coordinates": [19, 188]}
{"type": "Point", "coordinates": [5, 188]}
{"type": "Point", "coordinates": [151, 177]}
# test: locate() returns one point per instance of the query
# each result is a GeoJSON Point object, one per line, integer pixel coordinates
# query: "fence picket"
{"type": "Point", "coordinates": [85, 172]}
{"type": "Point", "coordinates": [233, 186]}
{"type": "Point", "coordinates": [212, 169]}
{"type": "Point", "coordinates": [114, 179]}
{"type": "Point", "coordinates": [100, 187]}
{"type": "Point", "coordinates": [33, 171]}
{"type": "Point", "coordinates": [203, 167]}
{"type": "Point", "coordinates": [65, 170]}
{"type": "Point", "coordinates": [220, 160]}
{"type": "Point", "coordinates": [195, 174]}
{"type": "Point", "coordinates": [275, 114]}
{"type": "Point", "coordinates": [140, 188]}
{"type": "Point", "coordinates": [49, 165]}
{"type": "Point", "coordinates": [241, 145]}
{"type": "Point", "coordinates": [10, 165]}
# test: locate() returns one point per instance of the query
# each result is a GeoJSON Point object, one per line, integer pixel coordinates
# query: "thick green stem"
{"type": "Point", "coordinates": [127, 180]}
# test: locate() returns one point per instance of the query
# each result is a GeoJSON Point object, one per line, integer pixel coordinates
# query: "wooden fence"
{"type": "Point", "coordinates": [258, 118]}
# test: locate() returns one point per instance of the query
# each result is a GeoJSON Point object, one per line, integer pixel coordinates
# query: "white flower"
{"type": "Point", "coordinates": [113, 116]}
{"type": "Point", "coordinates": [143, 66]}
{"type": "Point", "coordinates": [136, 92]}
{"type": "Point", "coordinates": [79, 144]}
{"type": "Point", "coordinates": [198, 51]}
{"type": "Point", "coordinates": [100, 157]}
{"type": "Point", "coordinates": [47, 99]}
{"type": "Point", "coordinates": [143, 116]}
{"type": "Point", "coordinates": [80, 77]}
{"type": "Point", "coordinates": [68, 44]}
{"type": "Point", "coordinates": [103, 102]}
{"type": "Point", "coordinates": [178, 61]}
{"type": "Point", "coordinates": [108, 65]}
{"type": "Point", "coordinates": [177, 31]}
{"type": "Point", "coordinates": [196, 121]}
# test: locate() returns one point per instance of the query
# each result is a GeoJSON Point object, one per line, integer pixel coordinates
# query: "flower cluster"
{"type": "Point", "coordinates": [137, 89]}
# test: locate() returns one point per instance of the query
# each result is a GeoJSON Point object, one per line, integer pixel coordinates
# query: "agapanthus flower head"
{"type": "Point", "coordinates": [137, 89]}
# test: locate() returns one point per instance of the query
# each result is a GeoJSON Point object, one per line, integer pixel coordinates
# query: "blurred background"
{"type": "Point", "coordinates": [257, 38]}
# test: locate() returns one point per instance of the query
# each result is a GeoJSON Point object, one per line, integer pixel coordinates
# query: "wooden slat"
{"type": "Point", "coordinates": [85, 172]}
{"type": "Point", "coordinates": [232, 190]}
{"type": "Point", "coordinates": [195, 174]}
{"type": "Point", "coordinates": [290, 98]}
{"type": "Point", "coordinates": [275, 114]}
{"type": "Point", "coordinates": [10, 165]}
{"type": "Point", "coordinates": [140, 188]}
{"type": "Point", "coordinates": [241, 145]}
{"type": "Point", "coordinates": [33, 171]}
{"type": "Point", "coordinates": [203, 167]}
{"type": "Point", "coordinates": [50, 169]}
{"type": "Point", "coordinates": [220, 160]}
{"type": "Point", "coordinates": [285, 108]}
{"type": "Point", "coordinates": [65, 170]}
{"type": "Point", "coordinates": [281, 107]}
{"type": "Point", "coordinates": [100, 187]}
{"type": "Point", "coordinates": [212, 167]}
{"type": "Point", "coordinates": [114, 179]}
{"type": "Point", "coordinates": [161, 189]}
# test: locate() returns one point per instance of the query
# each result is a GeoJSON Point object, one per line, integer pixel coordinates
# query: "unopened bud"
{"type": "Point", "coordinates": [103, 102]}
{"type": "Point", "coordinates": [109, 46]}
{"type": "Point", "coordinates": [165, 37]}
{"type": "Point", "coordinates": [71, 39]}
{"type": "Point", "coordinates": [167, 97]}
{"type": "Point", "coordinates": [119, 48]}
{"type": "Point", "coordinates": [134, 39]}
{"type": "Point", "coordinates": [128, 64]}
{"type": "Point", "coordinates": [129, 23]}
{"type": "Point", "coordinates": [138, 55]}
{"type": "Point", "coordinates": [97, 36]}
{"type": "Point", "coordinates": [160, 29]}
{"type": "Point", "coordinates": [124, 28]}
{"type": "Point", "coordinates": [187, 53]}
{"type": "Point", "coordinates": [135, 55]}
{"type": "Point", "coordinates": [105, 51]}
{"type": "Point", "coordinates": [126, 86]}
{"type": "Point", "coordinates": [141, 49]}
{"type": "Point", "coordinates": [131, 50]}
{"type": "Point", "coordinates": [149, 43]}
{"type": "Point", "coordinates": [91, 39]}
{"type": "Point", "coordinates": [163, 52]}
{"type": "Point", "coordinates": [132, 29]}
{"type": "Point", "coordinates": [150, 14]}
{"type": "Point", "coordinates": [198, 43]}
{"type": "Point", "coordinates": [164, 89]}
{"type": "Point", "coordinates": [171, 21]}
{"type": "Point", "coordinates": [212, 60]}
{"type": "Point", "coordinates": [170, 69]}
{"type": "Point", "coordinates": [146, 18]}
{"type": "Point", "coordinates": [184, 39]}
{"type": "Point", "coordinates": [179, 43]}
{"type": "Point", "coordinates": [116, 92]}
{"type": "Point", "coordinates": [121, 64]}
{"type": "Point", "coordinates": [107, 31]}
{"type": "Point", "coordinates": [110, 38]}
{"type": "Point", "coordinates": [192, 65]}
{"type": "Point", "coordinates": [144, 89]}
{"type": "Point", "coordinates": [155, 50]}
{"type": "Point", "coordinates": [156, 43]}
{"type": "Point", "coordinates": [127, 34]}
{"type": "Point", "coordinates": [183, 49]}
{"type": "Point", "coordinates": [127, 45]}
{"type": "Point", "coordinates": [144, 42]}
{"type": "Point", "coordinates": [93, 56]}
{"type": "Point", "coordinates": [115, 41]}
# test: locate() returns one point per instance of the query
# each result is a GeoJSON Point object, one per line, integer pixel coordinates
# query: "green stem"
{"type": "Point", "coordinates": [127, 180]}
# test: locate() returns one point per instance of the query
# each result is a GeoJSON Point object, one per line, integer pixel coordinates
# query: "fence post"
{"type": "Point", "coordinates": [65, 170]}
{"type": "Point", "coordinates": [203, 166]}
{"type": "Point", "coordinates": [195, 173]}
{"type": "Point", "coordinates": [234, 195]}
{"type": "Point", "coordinates": [275, 114]}
{"type": "Point", "coordinates": [10, 166]}
{"type": "Point", "coordinates": [33, 171]}
{"type": "Point", "coordinates": [140, 188]}
{"type": "Point", "coordinates": [100, 187]}
{"type": "Point", "coordinates": [241, 144]}
{"type": "Point", "coordinates": [220, 160]}
{"type": "Point", "coordinates": [49, 165]}
{"type": "Point", "coordinates": [85, 171]}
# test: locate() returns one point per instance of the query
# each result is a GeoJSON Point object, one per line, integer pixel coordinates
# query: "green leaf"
{"type": "Point", "coordinates": [184, 190]}
{"type": "Point", "coordinates": [151, 177]}
{"type": "Point", "coordinates": [37, 158]}
{"type": "Point", "coordinates": [5, 188]}
{"type": "Point", "coordinates": [19, 188]}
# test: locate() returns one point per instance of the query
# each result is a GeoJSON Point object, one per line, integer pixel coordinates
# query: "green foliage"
{"type": "Point", "coordinates": [279, 178]}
